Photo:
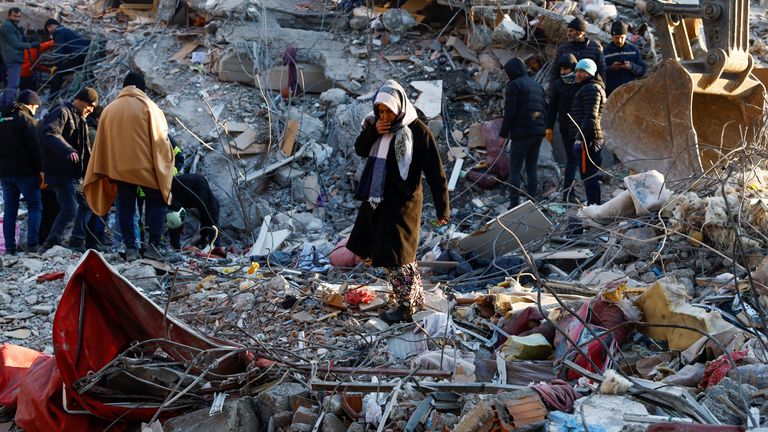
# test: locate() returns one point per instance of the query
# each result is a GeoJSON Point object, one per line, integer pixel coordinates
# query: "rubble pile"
{"type": "Point", "coordinates": [644, 313]}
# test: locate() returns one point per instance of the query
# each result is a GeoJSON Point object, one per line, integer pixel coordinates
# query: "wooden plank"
{"type": "Point", "coordinates": [289, 137]}
{"type": "Point", "coordinates": [185, 50]}
{"type": "Point", "coordinates": [414, 6]}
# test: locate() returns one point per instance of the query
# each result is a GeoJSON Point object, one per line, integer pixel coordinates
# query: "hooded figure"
{"type": "Point", "coordinates": [523, 126]}
{"type": "Point", "coordinates": [399, 149]}
{"type": "Point", "coordinates": [561, 94]}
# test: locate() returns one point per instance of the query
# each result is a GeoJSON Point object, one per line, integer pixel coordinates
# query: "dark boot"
{"type": "Point", "coordinates": [395, 315]}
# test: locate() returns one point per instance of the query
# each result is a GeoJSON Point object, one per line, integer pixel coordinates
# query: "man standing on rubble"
{"type": "Point", "coordinates": [20, 168]}
{"type": "Point", "coordinates": [132, 150]}
{"type": "Point", "coordinates": [71, 50]}
{"type": "Point", "coordinates": [581, 47]}
{"type": "Point", "coordinates": [587, 110]}
{"type": "Point", "coordinates": [67, 150]}
{"type": "Point", "coordinates": [522, 127]}
{"type": "Point", "coordinates": [623, 60]}
{"type": "Point", "coordinates": [560, 102]}
{"type": "Point", "coordinates": [12, 46]}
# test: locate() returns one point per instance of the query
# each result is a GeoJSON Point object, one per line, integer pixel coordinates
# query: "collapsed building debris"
{"type": "Point", "coordinates": [647, 312]}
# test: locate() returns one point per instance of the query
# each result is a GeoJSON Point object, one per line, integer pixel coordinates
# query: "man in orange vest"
{"type": "Point", "coordinates": [31, 65]}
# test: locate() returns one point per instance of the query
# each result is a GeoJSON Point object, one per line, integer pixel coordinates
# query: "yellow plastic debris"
{"type": "Point", "coordinates": [252, 269]}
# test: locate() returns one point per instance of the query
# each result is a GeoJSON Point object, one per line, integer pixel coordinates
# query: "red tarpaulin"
{"type": "Point", "coordinates": [114, 316]}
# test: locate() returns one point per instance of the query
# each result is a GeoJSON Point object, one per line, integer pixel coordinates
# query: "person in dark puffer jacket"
{"type": "Point", "coordinates": [560, 103]}
{"type": "Point", "coordinates": [523, 126]}
{"type": "Point", "coordinates": [581, 47]}
{"type": "Point", "coordinates": [623, 60]}
{"type": "Point", "coordinates": [587, 110]}
{"type": "Point", "coordinates": [20, 169]}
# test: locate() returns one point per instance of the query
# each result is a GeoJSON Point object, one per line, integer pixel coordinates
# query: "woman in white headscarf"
{"type": "Point", "coordinates": [399, 148]}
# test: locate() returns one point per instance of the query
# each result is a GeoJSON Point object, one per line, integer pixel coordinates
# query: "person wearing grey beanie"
{"type": "Point", "coordinates": [580, 46]}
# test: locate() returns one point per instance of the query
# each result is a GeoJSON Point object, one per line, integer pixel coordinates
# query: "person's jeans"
{"type": "Point", "coordinates": [590, 174]}
{"type": "Point", "coordinates": [523, 150]}
{"type": "Point", "coordinates": [14, 77]}
{"type": "Point", "coordinates": [126, 209]}
{"type": "Point", "coordinates": [72, 210]}
{"type": "Point", "coordinates": [571, 162]}
{"type": "Point", "coordinates": [13, 188]}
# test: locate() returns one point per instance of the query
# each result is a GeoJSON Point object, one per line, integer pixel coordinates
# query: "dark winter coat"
{"type": "Point", "coordinates": [524, 103]}
{"type": "Point", "coordinates": [20, 145]}
{"type": "Point", "coordinates": [560, 102]}
{"type": "Point", "coordinates": [65, 131]}
{"type": "Point", "coordinates": [68, 43]}
{"type": "Point", "coordinates": [628, 53]}
{"type": "Point", "coordinates": [13, 43]}
{"type": "Point", "coordinates": [589, 49]}
{"type": "Point", "coordinates": [587, 110]}
{"type": "Point", "coordinates": [389, 234]}
{"type": "Point", "coordinates": [192, 191]}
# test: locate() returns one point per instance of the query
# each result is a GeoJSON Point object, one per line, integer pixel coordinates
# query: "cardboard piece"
{"type": "Point", "coordinates": [430, 101]}
{"type": "Point", "coordinates": [245, 139]}
{"type": "Point", "coordinates": [289, 137]}
{"type": "Point", "coordinates": [666, 303]}
{"type": "Point", "coordinates": [475, 137]}
{"type": "Point", "coordinates": [525, 220]}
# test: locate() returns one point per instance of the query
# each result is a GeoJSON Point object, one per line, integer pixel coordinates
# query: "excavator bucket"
{"type": "Point", "coordinates": [668, 123]}
{"type": "Point", "coordinates": [702, 102]}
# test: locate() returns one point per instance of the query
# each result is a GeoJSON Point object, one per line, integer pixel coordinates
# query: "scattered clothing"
{"type": "Point", "coordinates": [192, 191]}
{"type": "Point", "coordinates": [407, 287]}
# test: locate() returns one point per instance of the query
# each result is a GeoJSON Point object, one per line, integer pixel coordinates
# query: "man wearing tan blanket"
{"type": "Point", "coordinates": [132, 150]}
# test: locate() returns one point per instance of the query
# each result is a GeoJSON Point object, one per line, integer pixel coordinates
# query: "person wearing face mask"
{"type": "Point", "coordinates": [399, 149]}
{"type": "Point", "coordinates": [623, 60]}
{"type": "Point", "coordinates": [560, 100]}
{"type": "Point", "coordinates": [586, 111]}
{"type": "Point", "coordinates": [20, 169]}
{"type": "Point", "coordinates": [65, 157]}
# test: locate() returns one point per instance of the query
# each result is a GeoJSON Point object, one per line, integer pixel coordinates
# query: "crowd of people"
{"type": "Point", "coordinates": [78, 160]}
{"type": "Point", "coordinates": [131, 163]}
{"type": "Point", "coordinates": [579, 83]}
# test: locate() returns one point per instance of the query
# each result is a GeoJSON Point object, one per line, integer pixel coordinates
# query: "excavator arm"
{"type": "Point", "coordinates": [702, 102]}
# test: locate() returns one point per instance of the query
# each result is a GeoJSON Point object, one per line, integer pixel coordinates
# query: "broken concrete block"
{"type": "Point", "coordinates": [356, 427]}
{"type": "Point", "coordinates": [479, 38]}
{"type": "Point", "coordinates": [282, 420]}
{"type": "Point", "coordinates": [42, 309]}
{"type": "Point", "coordinates": [333, 97]}
{"type": "Point", "coordinates": [286, 175]}
{"type": "Point", "coordinates": [277, 399]}
{"type": "Point", "coordinates": [304, 415]}
{"type": "Point", "coordinates": [332, 404]}
{"type": "Point", "coordinates": [237, 415]}
{"type": "Point", "coordinates": [665, 303]}
{"type": "Point", "coordinates": [359, 23]}
{"type": "Point", "coordinates": [436, 127]}
{"type": "Point", "coordinates": [142, 276]}
{"type": "Point", "coordinates": [332, 423]}
{"type": "Point", "coordinates": [727, 389]}
{"type": "Point", "coordinates": [478, 419]}
{"type": "Point", "coordinates": [601, 412]}
{"type": "Point", "coordinates": [507, 32]}
{"type": "Point", "coordinates": [637, 242]}
{"type": "Point", "coordinates": [397, 20]}
{"type": "Point", "coordinates": [244, 302]}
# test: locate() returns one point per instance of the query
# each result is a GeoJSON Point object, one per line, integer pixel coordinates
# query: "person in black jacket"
{"type": "Point", "coordinates": [623, 60]}
{"type": "Point", "coordinates": [523, 127]}
{"type": "Point", "coordinates": [192, 191]}
{"type": "Point", "coordinates": [560, 103]}
{"type": "Point", "coordinates": [581, 47]}
{"type": "Point", "coordinates": [587, 109]}
{"type": "Point", "coordinates": [20, 169]}
{"type": "Point", "coordinates": [65, 158]}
